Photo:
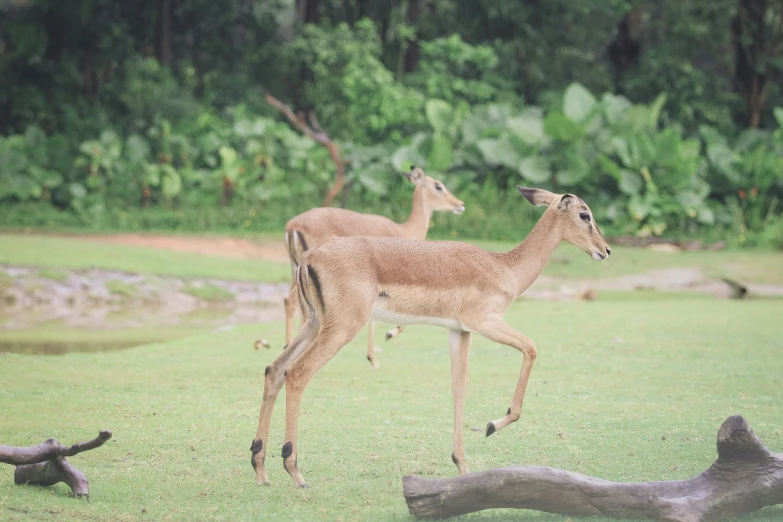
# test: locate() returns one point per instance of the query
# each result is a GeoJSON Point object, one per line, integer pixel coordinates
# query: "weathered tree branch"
{"type": "Point", "coordinates": [745, 477]}
{"type": "Point", "coordinates": [45, 464]}
{"type": "Point", "coordinates": [319, 136]}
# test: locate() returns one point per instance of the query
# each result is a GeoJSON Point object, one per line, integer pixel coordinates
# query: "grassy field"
{"type": "Point", "coordinates": [63, 252]}
{"type": "Point", "coordinates": [60, 252]}
{"type": "Point", "coordinates": [622, 389]}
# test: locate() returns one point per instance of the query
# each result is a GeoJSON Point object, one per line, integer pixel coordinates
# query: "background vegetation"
{"type": "Point", "coordinates": [666, 116]}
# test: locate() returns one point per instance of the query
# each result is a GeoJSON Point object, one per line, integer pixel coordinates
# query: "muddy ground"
{"type": "Point", "coordinates": [101, 299]}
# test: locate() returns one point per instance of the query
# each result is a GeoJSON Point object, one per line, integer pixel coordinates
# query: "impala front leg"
{"type": "Point", "coordinates": [459, 349]}
{"type": "Point", "coordinates": [496, 329]}
{"type": "Point", "coordinates": [371, 346]}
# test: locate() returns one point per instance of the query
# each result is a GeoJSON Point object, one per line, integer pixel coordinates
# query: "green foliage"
{"type": "Point", "coordinates": [656, 177]}
{"type": "Point", "coordinates": [355, 95]}
{"type": "Point", "coordinates": [455, 70]}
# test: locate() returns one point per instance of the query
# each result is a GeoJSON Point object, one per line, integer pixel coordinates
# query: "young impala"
{"type": "Point", "coordinates": [346, 281]}
{"type": "Point", "coordinates": [311, 228]}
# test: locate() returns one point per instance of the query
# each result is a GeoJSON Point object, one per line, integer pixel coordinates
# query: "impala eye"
{"type": "Point", "coordinates": [439, 187]}
{"type": "Point", "coordinates": [585, 216]}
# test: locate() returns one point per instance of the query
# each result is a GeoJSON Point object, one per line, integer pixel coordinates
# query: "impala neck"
{"type": "Point", "coordinates": [419, 221]}
{"type": "Point", "coordinates": [530, 257]}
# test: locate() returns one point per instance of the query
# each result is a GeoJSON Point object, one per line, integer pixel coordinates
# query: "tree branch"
{"type": "Point", "coordinates": [48, 450]}
{"type": "Point", "coordinates": [319, 136]}
{"type": "Point", "coordinates": [46, 465]}
{"type": "Point", "coordinates": [744, 478]}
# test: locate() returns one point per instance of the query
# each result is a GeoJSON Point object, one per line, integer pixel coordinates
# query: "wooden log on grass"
{"type": "Point", "coordinates": [45, 464]}
{"type": "Point", "coordinates": [746, 477]}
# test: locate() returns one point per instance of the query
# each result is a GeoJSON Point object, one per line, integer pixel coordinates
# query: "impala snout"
{"type": "Point", "coordinates": [459, 209]}
{"type": "Point", "coordinates": [600, 256]}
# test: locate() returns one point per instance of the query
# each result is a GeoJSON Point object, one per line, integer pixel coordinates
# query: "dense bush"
{"type": "Point", "coordinates": [641, 177]}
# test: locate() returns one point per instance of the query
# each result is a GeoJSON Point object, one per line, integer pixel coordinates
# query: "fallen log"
{"type": "Point", "coordinates": [746, 477]}
{"type": "Point", "coordinates": [45, 464]}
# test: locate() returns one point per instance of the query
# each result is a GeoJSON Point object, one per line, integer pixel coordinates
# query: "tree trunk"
{"type": "Point", "coordinates": [750, 46]}
{"type": "Point", "coordinates": [163, 32]}
{"type": "Point", "coordinates": [307, 11]}
{"type": "Point", "coordinates": [746, 477]}
{"type": "Point", "coordinates": [412, 54]}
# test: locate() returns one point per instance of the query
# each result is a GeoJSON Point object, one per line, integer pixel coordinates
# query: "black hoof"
{"type": "Point", "coordinates": [490, 428]}
{"type": "Point", "coordinates": [267, 483]}
{"type": "Point", "coordinates": [388, 335]}
{"type": "Point", "coordinates": [303, 486]}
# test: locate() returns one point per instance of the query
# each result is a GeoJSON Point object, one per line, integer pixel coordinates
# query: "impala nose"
{"type": "Point", "coordinates": [608, 251]}
{"type": "Point", "coordinates": [460, 209]}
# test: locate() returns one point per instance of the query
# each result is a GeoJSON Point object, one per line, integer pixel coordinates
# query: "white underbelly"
{"type": "Point", "coordinates": [381, 313]}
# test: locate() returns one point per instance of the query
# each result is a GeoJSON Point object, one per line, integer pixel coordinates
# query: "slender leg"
{"type": "Point", "coordinates": [371, 346]}
{"type": "Point", "coordinates": [335, 333]}
{"type": "Point", "coordinates": [496, 329]}
{"type": "Point", "coordinates": [394, 332]}
{"type": "Point", "coordinates": [291, 304]}
{"type": "Point", "coordinates": [273, 381]}
{"type": "Point", "coordinates": [459, 349]}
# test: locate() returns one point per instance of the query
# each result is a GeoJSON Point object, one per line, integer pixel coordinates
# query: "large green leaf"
{"type": "Point", "coordinates": [638, 207]}
{"type": "Point", "coordinates": [576, 170]}
{"type": "Point", "coordinates": [440, 154]}
{"type": "Point", "coordinates": [557, 125]}
{"type": "Point", "coordinates": [410, 154]}
{"type": "Point", "coordinates": [655, 110]}
{"type": "Point", "coordinates": [500, 151]}
{"type": "Point", "coordinates": [46, 177]}
{"type": "Point", "coordinates": [137, 149]}
{"type": "Point", "coordinates": [34, 138]}
{"type": "Point", "coordinates": [529, 127]}
{"type": "Point", "coordinates": [615, 107]}
{"type": "Point", "coordinates": [535, 169]}
{"type": "Point", "coordinates": [778, 113]}
{"type": "Point", "coordinates": [630, 182]}
{"type": "Point", "coordinates": [578, 102]}
{"type": "Point", "coordinates": [171, 182]}
{"type": "Point", "coordinates": [439, 114]}
{"type": "Point", "coordinates": [374, 179]}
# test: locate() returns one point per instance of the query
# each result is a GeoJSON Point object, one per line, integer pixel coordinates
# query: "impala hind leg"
{"type": "Point", "coordinates": [496, 329]}
{"type": "Point", "coordinates": [394, 332]}
{"type": "Point", "coordinates": [371, 346]}
{"type": "Point", "coordinates": [274, 377]}
{"type": "Point", "coordinates": [459, 349]}
{"type": "Point", "coordinates": [335, 333]}
{"type": "Point", "coordinates": [291, 304]}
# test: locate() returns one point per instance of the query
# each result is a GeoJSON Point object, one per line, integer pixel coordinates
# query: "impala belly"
{"type": "Point", "coordinates": [381, 312]}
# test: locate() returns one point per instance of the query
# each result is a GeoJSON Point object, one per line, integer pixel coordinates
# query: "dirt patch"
{"type": "Point", "coordinates": [268, 249]}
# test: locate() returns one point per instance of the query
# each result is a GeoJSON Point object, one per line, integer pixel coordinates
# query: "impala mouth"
{"type": "Point", "coordinates": [459, 210]}
{"type": "Point", "coordinates": [598, 256]}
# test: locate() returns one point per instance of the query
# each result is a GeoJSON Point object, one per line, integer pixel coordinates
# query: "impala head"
{"type": "Point", "coordinates": [437, 196]}
{"type": "Point", "coordinates": [574, 220]}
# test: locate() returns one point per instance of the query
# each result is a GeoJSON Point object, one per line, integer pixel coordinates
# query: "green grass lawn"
{"type": "Point", "coordinates": [51, 251]}
{"type": "Point", "coordinates": [63, 252]}
{"type": "Point", "coordinates": [184, 412]}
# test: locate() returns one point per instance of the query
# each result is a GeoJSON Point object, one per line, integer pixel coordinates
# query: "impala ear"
{"type": "Point", "coordinates": [566, 201]}
{"type": "Point", "coordinates": [415, 176]}
{"type": "Point", "coordinates": [537, 196]}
